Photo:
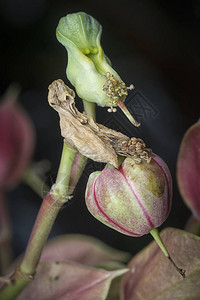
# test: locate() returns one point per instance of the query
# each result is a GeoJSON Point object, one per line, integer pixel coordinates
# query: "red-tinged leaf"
{"type": "Point", "coordinates": [193, 225]}
{"type": "Point", "coordinates": [69, 281]}
{"type": "Point", "coordinates": [17, 139]}
{"type": "Point", "coordinates": [188, 169]}
{"type": "Point", "coordinates": [83, 249]}
{"type": "Point", "coordinates": [153, 277]}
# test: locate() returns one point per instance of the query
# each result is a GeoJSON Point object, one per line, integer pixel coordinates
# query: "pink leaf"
{"type": "Point", "coordinates": [82, 249]}
{"type": "Point", "coordinates": [69, 281]}
{"type": "Point", "coordinates": [153, 277]}
{"type": "Point", "coordinates": [188, 166]}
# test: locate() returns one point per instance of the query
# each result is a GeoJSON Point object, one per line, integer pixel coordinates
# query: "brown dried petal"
{"type": "Point", "coordinates": [89, 138]}
{"type": "Point", "coordinates": [79, 130]}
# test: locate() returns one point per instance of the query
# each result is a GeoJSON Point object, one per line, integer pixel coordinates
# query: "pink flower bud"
{"type": "Point", "coordinates": [132, 199]}
{"type": "Point", "coordinates": [16, 139]}
{"type": "Point", "coordinates": [188, 164]}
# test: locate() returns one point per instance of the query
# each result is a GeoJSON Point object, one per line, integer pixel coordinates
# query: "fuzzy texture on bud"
{"type": "Point", "coordinates": [132, 199]}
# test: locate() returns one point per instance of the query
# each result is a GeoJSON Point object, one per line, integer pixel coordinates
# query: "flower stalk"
{"type": "Point", "coordinates": [35, 182]}
{"type": "Point", "coordinates": [156, 235]}
{"type": "Point", "coordinates": [71, 167]}
{"type": "Point", "coordinates": [50, 207]}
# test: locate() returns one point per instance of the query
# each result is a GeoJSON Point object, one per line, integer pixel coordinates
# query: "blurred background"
{"type": "Point", "coordinates": [153, 44]}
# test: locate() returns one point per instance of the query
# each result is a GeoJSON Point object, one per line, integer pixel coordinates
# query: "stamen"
{"type": "Point", "coordinates": [131, 87]}
{"type": "Point", "coordinates": [116, 90]}
{"type": "Point", "coordinates": [135, 148]}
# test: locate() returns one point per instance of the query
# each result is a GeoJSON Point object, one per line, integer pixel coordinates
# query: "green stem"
{"type": "Point", "coordinates": [77, 170]}
{"type": "Point", "coordinates": [120, 161]}
{"type": "Point", "coordinates": [14, 285]}
{"type": "Point", "coordinates": [89, 108]}
{"type": "Point", "coordinates": [156, 235]}
{"type": "Point", "coordinates": [80, 160]}
{"type": "Point", "coordinates": [60, 189]}
{"type": "Point", "coordinates": [50, 207]}
{"type": "Point", "coordinates": [44, 222]}
{"type": "Point", "coordinates": [48, 212]}
{"type": "Point", "coordinates": [35, 182]}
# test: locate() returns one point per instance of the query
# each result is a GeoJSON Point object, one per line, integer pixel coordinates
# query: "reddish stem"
{"type": "Point", "coordinates": [5, 235]}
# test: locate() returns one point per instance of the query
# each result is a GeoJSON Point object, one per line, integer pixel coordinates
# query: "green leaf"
{"type": "Point", "coordinates": [152, 276]}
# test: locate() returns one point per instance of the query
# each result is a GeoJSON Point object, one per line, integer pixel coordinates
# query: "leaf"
{"type": "Point", "coordinates": [69, 281]}
{"type": "Point", "coordinates": [193, 225]}
{"type": "Point", "coordinates": [188, 165]}
{"type": "Point", "coordinates": [82, 249]}
{"type": "Point", "coordinates": [153, 277]}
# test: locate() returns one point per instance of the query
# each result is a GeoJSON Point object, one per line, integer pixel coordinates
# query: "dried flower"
{"type": "Point", "coordinates": [91, 139]}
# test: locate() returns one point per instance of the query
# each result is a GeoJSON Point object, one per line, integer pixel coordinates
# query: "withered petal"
{"type": "Point", "coordinates": [91, 139]}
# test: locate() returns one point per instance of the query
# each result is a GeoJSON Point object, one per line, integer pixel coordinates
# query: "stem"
{"type": "Point", "coordinates": [44, 222]}
{"type": "Point", "coordinates": [80, 160]}
{"type": "Point", "coordinates": [48, 212]}
{"type": "Point", "coordinates": [156, 235]}
{"type": "Point", "coordinates": [49, 209]}
{"type": "Point", "coordinates": [5, 235]}
{"type": "Point", "coordinates": [120, 159]}
{"type": "Point", "coordinates": [14, 285]}
{"type": "Point", "coordinates": [61, 187]}
{"type": "Point", "coordinates": [77, 169]}
{"type": "Point", "coordinates": [89, 108]}
{"type": "Point", "coordinates": [110, 166]}
{"type": "Point", "coordinates": [35, 182]}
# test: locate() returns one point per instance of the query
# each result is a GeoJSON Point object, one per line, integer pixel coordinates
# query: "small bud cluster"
{"type": "Point", "coordinates": [136, 148]}
{"type": "Point", "coordinates": [115, 89]}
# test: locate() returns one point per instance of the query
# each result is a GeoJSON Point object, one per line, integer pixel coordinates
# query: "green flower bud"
{"type": "Point", "coordinates": [89, 70]}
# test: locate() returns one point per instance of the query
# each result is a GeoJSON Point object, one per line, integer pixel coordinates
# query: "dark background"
{"type": "Point", "coordinates": [153, 44]}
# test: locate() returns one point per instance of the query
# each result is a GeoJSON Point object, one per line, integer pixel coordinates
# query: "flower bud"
{"type": "Point", "coordinates": [89, 70]}
{"type": "Point", "coordinates": [87, 64]}
{"type": "Point", "coordinates": [17, 139]}
{"type": "Point", "coordinates": [132, 199]}
{"type": "Point", "coordinates": [188, 169]}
